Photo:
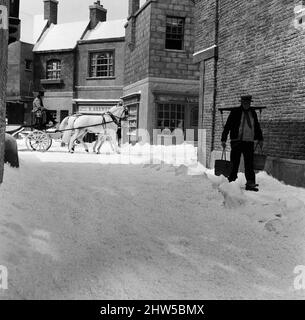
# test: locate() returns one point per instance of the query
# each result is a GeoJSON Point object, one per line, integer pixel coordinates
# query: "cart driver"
{"type": "Point", "coordinates": [42, 115]}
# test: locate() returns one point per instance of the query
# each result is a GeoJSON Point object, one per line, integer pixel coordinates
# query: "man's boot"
{"type": "Point", "coordinates": [250, 186]}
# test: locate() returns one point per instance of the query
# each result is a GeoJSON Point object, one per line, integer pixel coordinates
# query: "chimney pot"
{"type": "Point", "coordinates": [50, 10]}
{"type": "Point", "coordinates": [97, 14]}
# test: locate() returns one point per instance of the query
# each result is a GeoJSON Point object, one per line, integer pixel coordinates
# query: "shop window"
{"type": "Point", "coordinates": [101, 64]}
{"type": "Point", "coordinates": [53, 69]}
{"type": "Point", "coordinates": [170, 116]}
{"type": "Point", "coordinates": [174, 33]}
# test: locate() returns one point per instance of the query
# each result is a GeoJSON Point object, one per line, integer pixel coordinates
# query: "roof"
{"type": "Point", "coordinates": [107, 30]}
{"type": "Point", "coordinates": [31, 27]}
{"type": "Point", "coordinates": [61, 36]}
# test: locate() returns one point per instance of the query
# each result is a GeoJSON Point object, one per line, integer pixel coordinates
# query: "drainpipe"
{"type": "Point", "coordinates": [215, 73]}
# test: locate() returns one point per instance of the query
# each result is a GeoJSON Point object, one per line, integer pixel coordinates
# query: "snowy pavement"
{"type": "Point", "coordinates": [87, 226]}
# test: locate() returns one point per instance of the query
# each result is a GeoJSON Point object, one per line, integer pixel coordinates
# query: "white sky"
{"type": "Point", "coordinates": [75, 10]}
{"type": "Point", "coordinates": [68, 11]}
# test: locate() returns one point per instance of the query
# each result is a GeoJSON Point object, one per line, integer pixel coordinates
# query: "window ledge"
{"type": "Point", "coordinates": [176, 50]}
{"type": "Point", "coordinates": [100, 78]}
{"type": "Point", "coordinates": [51, 81]}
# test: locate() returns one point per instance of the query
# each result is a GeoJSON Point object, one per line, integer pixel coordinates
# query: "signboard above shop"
{"type": "Point", "coordinates": [93, 109]}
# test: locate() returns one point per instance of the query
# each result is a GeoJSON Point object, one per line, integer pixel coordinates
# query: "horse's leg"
{"type": "Point", "coordinates": [72, 139]}
{"type": "Point", "coordinates": [77, 135]}
{"type": "Point", "coordinates": [116, 141]}
{"type": "Point", "coordinates": [96, 143]}
{"type": "Point", "coordinates": [113, 141]}
{"type": "Point", "coordinates": [101, 142]}
{"type": "Point", "coordinates": [81, 139]}
{"type": "Point", "coordinates": [112, 144]}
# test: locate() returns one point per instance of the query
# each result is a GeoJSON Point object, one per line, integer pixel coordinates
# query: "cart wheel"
{"type": "Point", "coordinates": [39, 141]}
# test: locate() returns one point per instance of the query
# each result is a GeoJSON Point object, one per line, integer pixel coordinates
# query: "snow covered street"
{"type": "Point", "coordinates": [74, 226]}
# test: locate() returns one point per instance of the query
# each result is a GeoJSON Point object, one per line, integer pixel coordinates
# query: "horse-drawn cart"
{"type": "Point", "coordinates": [39, 137]}
{"type": "Point", "coordinates": [36, 140]}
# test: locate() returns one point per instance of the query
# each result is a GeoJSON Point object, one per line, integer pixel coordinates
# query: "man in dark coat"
{"type": "Point", "coordinates": [244, 129]}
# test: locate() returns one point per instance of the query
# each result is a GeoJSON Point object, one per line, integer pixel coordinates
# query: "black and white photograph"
{"type": "Point", "coordinates": [152, 150]}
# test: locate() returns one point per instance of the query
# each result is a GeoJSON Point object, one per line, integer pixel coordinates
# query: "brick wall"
{"type": "Point", "coordinates": [260, 53]}
{"type": "Point", "coordinates": [13, 75]}
{"type": "Point", "coordinates": [67, 70]}
{"type": "Point", "coordinates": [84, 50]}
{"type": "Point", "coordinates": [26, 76]}
{"type": "Point", "coordinates": [20, 80]}
{"type": "Point", "coordinates": [204, 18]}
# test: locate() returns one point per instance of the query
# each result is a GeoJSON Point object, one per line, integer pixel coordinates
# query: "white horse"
{"type": "Point", "coordinates": [66, 126]}
{"type": "Point", "coordinates": [104, 125]}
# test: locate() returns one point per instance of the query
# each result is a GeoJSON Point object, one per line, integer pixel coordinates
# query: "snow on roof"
{"type": "Point", "coordinates": [61, 36]}
{"type": "Point", "coordinates": [31, 27]}
{"type": "Point", "coordinates": [107, 30]}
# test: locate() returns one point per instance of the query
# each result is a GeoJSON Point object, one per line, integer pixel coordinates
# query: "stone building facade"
{"type": "Point", "coordinates": [160, 81]}
{"type": "Point", "coordinates": [79, 66]}
{"type": "Point", "coordinates": [57, 93]}
{"type": "Point", "coordinates": [94, 92]}
{"type": "Point", "coordinates": [254, 47]}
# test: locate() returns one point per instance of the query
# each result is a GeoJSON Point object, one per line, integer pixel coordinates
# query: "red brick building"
{"type": "Point", "coordinates": [160, 80]}
{"type": "Point", "coordinates": [254, 47]}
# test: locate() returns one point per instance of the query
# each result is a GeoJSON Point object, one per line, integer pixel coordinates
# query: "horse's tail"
{"type": "Point", "coordinates": [67, 127]}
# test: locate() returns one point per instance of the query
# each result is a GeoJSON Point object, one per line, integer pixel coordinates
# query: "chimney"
{"type": "Point", "coordinates": [50, 10]}
{"type": "Point", "coordinates": [133, 6]}
{"type": "Point", "coordinates": [97, 13]}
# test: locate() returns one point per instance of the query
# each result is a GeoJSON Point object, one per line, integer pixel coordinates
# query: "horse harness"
{"type": "Point", "coordinates": [116, 120]}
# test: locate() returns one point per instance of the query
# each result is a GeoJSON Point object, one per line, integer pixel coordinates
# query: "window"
{"type": "Point", "coordinates": [174, 33]}
{"type": "Point", "coordinates": [28, 64]}
{"type": "Point", "coordinates": [101, 64]}
{"type": "Point", "coordinates": [170, 115]}
{"type": "Point", "coordinates": [53, 69]}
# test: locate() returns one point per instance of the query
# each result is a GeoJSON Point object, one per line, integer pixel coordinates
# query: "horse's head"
{"type": "Point", "coordinates": [119, 111]}
{"type": "Point", "coordinates": [124, 114]}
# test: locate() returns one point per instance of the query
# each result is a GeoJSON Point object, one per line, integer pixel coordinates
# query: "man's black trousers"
{"type": "Point", "coordinates": [245, 148]}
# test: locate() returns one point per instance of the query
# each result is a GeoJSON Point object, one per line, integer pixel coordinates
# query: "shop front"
{"type": "Point", "coordinates": [176, 111]}
{"type": "Point", "coordinates": [93, 107]}
{"type": "Point", "coordinates": [131, 126]}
